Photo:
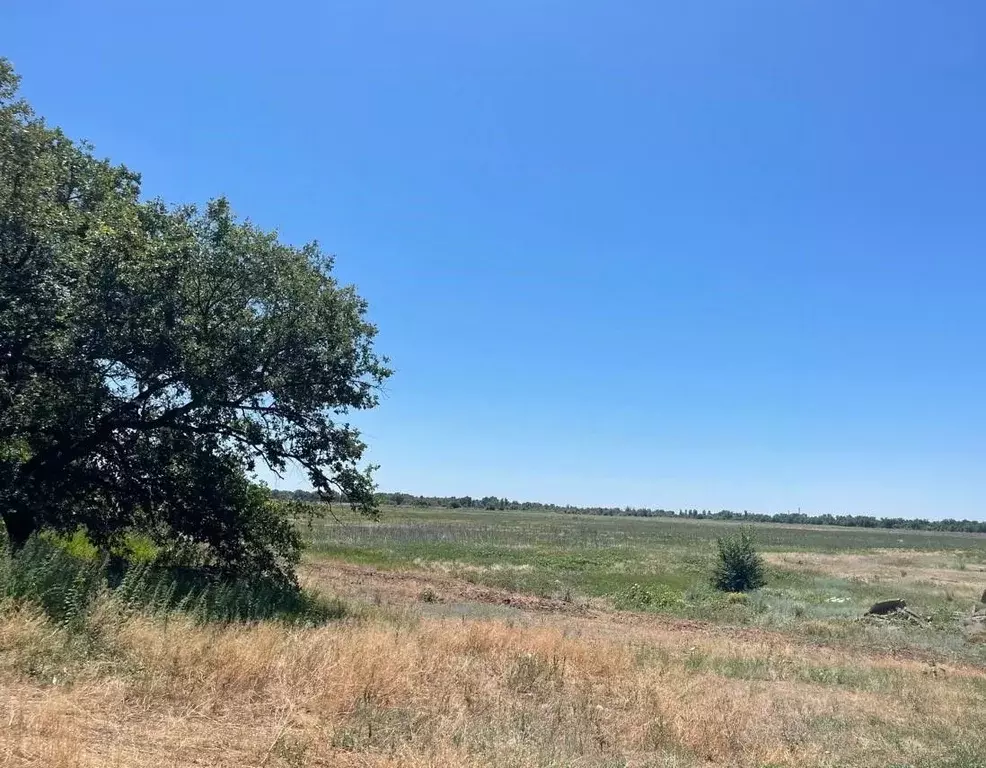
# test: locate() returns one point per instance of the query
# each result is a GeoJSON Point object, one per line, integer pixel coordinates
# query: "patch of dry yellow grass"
{"type": "Point", "coordinates": [941, 570]}
{"type": "Point", "coordinates": [558, 691]}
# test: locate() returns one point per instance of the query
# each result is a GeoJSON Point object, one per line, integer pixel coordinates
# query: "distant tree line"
{"type": "Point", "coordinates": [791, 518]}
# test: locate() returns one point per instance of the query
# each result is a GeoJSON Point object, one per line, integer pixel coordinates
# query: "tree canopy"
{"type": "Point", "coordinates": [152, 356]}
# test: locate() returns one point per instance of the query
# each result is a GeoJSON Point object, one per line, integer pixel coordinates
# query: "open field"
{"type": "Point", "coordinates": [506, 639]}
{"type": "Point", "coordinates": [823, 578]}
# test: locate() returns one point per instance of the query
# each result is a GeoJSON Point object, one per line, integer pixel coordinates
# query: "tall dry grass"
{"type": "Point", "coordinates": [166, 691]}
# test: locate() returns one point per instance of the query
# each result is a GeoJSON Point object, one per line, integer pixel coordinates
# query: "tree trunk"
{"type": "Point", "coordinates": [19, 525]}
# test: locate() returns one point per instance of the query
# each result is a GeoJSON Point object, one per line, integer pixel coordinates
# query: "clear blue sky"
{"type": "Point", "coordinates": [712, 254]}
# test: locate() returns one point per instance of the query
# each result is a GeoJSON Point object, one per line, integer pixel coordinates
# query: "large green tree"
{"type": "Point", "coordinates": [152, 357]}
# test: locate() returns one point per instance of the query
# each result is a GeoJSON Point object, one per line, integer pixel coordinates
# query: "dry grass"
{"type": "Point", "coordinates": [547, 690]}
{"type": "Point", "coordinates": [952, 570]}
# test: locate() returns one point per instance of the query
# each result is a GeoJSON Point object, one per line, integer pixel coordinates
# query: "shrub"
{"type": "Point", "coordinates": [739, 567]}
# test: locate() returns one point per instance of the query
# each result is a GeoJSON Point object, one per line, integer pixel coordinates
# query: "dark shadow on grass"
{"type": "Point", "coordinates": [67, 587]}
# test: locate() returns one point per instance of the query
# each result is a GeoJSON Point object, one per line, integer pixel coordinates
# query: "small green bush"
{"type": "Point", "coordinates": [739, 567]}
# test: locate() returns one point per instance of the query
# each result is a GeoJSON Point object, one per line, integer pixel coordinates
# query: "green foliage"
{"type": "Point", "coordinates": [132, 548]}
{"type": "Point", "coordinates": [63, 584]}
{"type": "Point", "coordinates": [739, 567]}
{"type": "Point", "coordinates": [77, 544]}
{"type": "Point", "coordinates": [152, 356]}
{"type": "Point", "coordinates": [68, 586]}
{"type": "Point", "coordinates": [654, 597]}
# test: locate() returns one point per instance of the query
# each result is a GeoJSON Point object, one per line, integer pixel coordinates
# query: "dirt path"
{"type": "Point", "coordinates": [397, 587]}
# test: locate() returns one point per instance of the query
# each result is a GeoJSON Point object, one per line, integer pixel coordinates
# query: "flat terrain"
{"type": "Point", "coordinates": [822, 578]}
{"type": "Point", "coordinates": [515, 639]}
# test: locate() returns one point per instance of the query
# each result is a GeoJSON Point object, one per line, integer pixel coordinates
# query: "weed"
{"type": "Point", "coordinates": [290, 751]}
{"type": "Point", "coordinates": [534, 674]}
{"type": "Point", "coordinates": [67, 580]}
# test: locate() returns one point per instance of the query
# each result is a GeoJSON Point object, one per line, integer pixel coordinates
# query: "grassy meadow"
{"type": "Point", "coordinates": [506, 639]}
{"type": "Point", "coordinates": [822, 578]}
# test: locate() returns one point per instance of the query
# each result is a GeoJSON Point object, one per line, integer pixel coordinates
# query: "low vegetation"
{"type": "Point", "coordinates": [821, 579]}
{"type": "Point", "coordinates": [70, 582]}
{"type": "Point", "coordinates": [482, 659]}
